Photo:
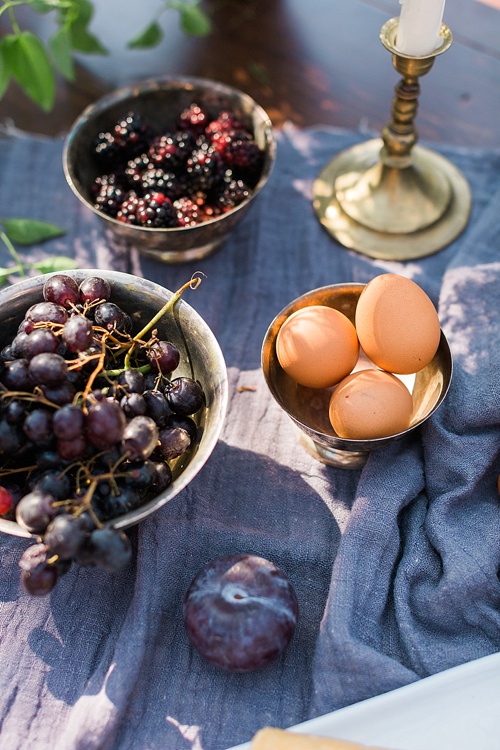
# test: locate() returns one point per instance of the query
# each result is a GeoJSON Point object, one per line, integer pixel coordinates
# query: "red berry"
{"type": "Point", "coordinates": [6, 501]}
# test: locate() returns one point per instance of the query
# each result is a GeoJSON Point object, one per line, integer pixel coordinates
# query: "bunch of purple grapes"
{"type": "Point", "coordinates": [90, 417]}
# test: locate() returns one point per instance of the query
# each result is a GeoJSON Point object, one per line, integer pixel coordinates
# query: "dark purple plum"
{"type": "Point", "coordinates": [240, 612]}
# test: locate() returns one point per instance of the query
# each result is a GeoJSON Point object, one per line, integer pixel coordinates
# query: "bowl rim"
{"type": "Point", "coordinates": [200, 457]}
{"type": "Point", "coordinates": [164, 83]}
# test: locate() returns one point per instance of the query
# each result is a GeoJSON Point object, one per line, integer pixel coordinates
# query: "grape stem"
{"type": "Point", "coordinates": [96, 371]}
{"type": "Point", "coordinates": [193, 283]}
{"type": "Point", "coordinates": [37, 397]}
{"type": "Point", "coordinates": [86, 503]}
{"type": "Point", "coordinates": [19, 470]}
{"type": "Point", "coordinates": [115, 373]}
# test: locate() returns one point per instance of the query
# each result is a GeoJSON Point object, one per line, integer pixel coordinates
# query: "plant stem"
{"type": "Point", "coordinates": [193, 283]}
{"type": "Point", "coordinates": [116, 373]}
{"type": "Point", "coordinates": [96, 371]}
{"type": "Point", "coordinates": [7, 6]}
{"type": "Point", "coordinates": [14, 254]}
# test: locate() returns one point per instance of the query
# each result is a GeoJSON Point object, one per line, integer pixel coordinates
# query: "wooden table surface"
{"type": "Point", "coordinates": [317, 62]}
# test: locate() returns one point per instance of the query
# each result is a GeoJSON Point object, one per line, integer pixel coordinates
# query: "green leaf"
{"type": "Point", "coordinates": [54, 263]}
{"type": "Point", "coordinates": [82, 39]}
{"type": "Point", "coordinates": [43, 6]}
{"type": "Point", "coordinates": [4, 71]}
{"type": "Point", "coordinates": [193, 20]}
{"type": "Point", "coordinates": [30, 231]}
{"type": "Point", "coordinates": [60, 46]}
{"type": "Point", "coordinates": [4, 275]}
{"type": "Point", "coordinates": [85, 9]}
{"type": "Point", "coordinates": [149, 37]}
{"type": "Point", "coordinates": [29, 64]}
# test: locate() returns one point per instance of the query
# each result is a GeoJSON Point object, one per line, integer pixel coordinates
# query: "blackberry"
{"type": "Point", "coordinates": [233, 193]}
{"type": "Point", "coordinates": [129, 136]}
{"type": "Point", "coordinates": [110, 198]}
{"type": "Point", "coordinates": [170, 151]}
{"type": "Point", "coordinates": [156, 210]}
{"type": "Point", "coordinates": [159, 180]}
{"type": "Point", "coordinates": [105, 180]}
{"type": "Point", "coordinates": [225, 122]}
{"type": "Point", "coordinates": [193, 118]}
{"type": "Point", "coordinates": [188, 212]}
{"type": "Point", "coordinates": [186, 190]}
{"type": "Point", "coordinates": [106, 148]}
{"type": "Point", "coordinates": [201, 141]}
{"type": "Point", "coordinates": [211, 211]}
{"type": "Point", "coordinates": [132, 134]}
{"type": "Point", "coordinates": [245, 155]}
{"type": "Point", "coordinates": [135, 169]}
{"type": "Point", "coordinates": [223, 140]}
{"type": "Point", "coordinates": [204, 169]}
{"type": "Point", "coordinates": [128, 210]}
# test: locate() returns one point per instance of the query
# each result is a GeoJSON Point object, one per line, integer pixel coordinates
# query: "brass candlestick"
{"type": "Point", "coordinates": [389, 198]}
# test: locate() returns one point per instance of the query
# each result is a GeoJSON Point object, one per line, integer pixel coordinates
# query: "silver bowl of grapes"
{"type": "Point", "coordinates": [113, 392]}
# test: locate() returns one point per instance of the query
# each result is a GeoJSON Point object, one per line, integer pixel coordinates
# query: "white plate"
{"type": "Point", "coordinates": [458, 709]}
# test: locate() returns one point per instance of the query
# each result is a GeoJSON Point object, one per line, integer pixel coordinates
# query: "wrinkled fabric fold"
{"type": "Point", "coordinates": [396, 566]}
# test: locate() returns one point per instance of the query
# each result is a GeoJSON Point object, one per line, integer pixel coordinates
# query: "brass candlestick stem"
{"type": "Point", "coordinates": [389, 198]}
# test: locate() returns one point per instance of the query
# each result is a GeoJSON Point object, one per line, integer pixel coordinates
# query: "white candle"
{"type": "Point", "coordinates": [419, 24]}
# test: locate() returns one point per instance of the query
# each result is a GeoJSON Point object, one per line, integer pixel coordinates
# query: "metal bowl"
{"type": "Point", "coordinates": [160, 101]}
{"type": "Point", "coordinates": [308, 407]}
{"type": "Point", "coordinates": [201, 358]}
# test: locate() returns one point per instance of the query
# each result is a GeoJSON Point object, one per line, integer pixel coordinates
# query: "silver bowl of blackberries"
{"type": "Point", "coordinates": [113, 392]}
{"type": "Point", "coordinates": [170, 165]}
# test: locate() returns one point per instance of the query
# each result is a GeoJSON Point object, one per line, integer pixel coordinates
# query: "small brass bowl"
{"type": "Point", "coordinates": [160, 101]}
{"type": "Point", "coordinates": [308, 407]}
{"type": "Point", "coordinates": [201, 358]}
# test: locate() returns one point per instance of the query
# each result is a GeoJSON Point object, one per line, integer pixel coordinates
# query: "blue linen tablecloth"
{"type": "Point", "coordinates": [396, 566]}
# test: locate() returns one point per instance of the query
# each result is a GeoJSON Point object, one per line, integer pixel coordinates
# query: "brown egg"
{"type": "Point", "coordinates": [370, 404]}
{"type": "Point", "coordinates": [317, 346]}
{"type": "Point", "coordinates": [397, 324]}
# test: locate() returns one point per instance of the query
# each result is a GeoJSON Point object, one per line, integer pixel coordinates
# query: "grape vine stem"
{"type": "Point", "coordinates": [193, 283]}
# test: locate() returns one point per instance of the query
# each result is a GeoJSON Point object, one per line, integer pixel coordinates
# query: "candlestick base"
{"type": "Point", "coordinates": [392, 213]}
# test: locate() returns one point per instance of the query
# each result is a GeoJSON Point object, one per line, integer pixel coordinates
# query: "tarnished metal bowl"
{"type": "Point", "coordinates": [308, 407]}
{"type": "Point", "coordinates": [201, 359]}
{"type": "Point", "coordinates": [160, 101]}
